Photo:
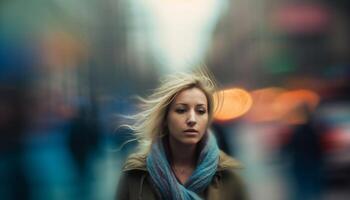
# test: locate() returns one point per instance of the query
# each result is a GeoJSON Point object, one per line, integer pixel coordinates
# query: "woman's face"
{"type": "Point", "coordinates": [187, 117]}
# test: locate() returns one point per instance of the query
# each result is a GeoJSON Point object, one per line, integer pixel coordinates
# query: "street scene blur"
{"type": "Point", "coordinates": [70, 70]}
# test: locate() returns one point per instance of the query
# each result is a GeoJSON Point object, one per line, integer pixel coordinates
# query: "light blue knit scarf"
{"type": "Point", "coordinates": [165, 181]}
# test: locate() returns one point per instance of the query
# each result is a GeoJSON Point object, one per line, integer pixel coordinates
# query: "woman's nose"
{"type": "Point", "coordinates": [191, 120]}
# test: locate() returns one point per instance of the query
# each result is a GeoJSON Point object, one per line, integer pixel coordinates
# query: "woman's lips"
{"type": "Point", "coordinates": [191, 132]}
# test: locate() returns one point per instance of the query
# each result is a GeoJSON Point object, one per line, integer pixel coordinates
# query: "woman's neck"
{"type": "Point", "coordinates": [183, 159]}
{"type": "Point", "coordinates": [182, 154]}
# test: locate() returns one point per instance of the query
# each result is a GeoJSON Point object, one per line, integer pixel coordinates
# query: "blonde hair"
{"type": "Point", "coordinates": [150, 123]}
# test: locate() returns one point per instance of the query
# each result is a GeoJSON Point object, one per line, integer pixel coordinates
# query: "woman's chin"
{"type": "Point", "coordinates": [189, 141]}
{"type": "Point", "coordinates": [186, 139]}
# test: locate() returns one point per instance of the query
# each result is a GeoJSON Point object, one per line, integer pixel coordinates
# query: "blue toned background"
{"type": "Point", "coordinates": [70, 69]}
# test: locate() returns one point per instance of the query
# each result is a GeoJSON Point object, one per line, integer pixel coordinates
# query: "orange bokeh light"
{"type": "Point", "coordinates": [277, 104]}
{"type": "Point", "coordinates": [296, 105]}
{"type": "Point", "coordinates": [231, 103]}
{"type": "Point", "coordinates": [263, 108]}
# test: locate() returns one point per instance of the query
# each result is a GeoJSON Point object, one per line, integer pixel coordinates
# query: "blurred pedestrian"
{"type": "Point", "coordinates": [305, 155]}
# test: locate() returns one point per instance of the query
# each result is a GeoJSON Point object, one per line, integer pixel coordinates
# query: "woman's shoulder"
{"type": "Point", "coordinates": [133, 170]}
{"type": "Point", "coordinates": [227, 168]}
{"type": "Point", "coordinates": [133, 180]}
{"type": "Point", "coordinates": [136, 161]}
{"type": "Point", "coordinates": [226, 162]}
{"type": "Point", "coordinates": [229, 177]}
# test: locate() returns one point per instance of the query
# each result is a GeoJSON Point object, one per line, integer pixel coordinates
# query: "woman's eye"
{"type": "Point", "coordinates": [180, 110]}
{"type": "Point", "coordinates": [202, 112]}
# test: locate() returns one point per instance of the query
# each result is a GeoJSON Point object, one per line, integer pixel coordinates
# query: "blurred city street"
{"type": "Point", "coordinates": [70, 71]}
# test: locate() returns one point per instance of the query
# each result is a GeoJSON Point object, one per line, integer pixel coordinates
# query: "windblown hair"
{"type": "Point", "coordinates": [150, 123]}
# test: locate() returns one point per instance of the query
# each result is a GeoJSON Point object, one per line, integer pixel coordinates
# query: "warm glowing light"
{"type": "Point", "coordinates": [231, 103]}
{"type": "Point", "coordinates": [277, 104]}
{"type": "Point", "coordinates": [263, 108]}
{"type": "Point", "coordinates": [297, 105]}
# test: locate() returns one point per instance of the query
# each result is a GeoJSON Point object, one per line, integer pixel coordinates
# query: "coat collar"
{"type": "Point", "coordinates": [137, 161]}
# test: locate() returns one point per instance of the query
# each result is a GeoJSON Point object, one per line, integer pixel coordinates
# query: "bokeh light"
{"type": "Point", "coordinates": [231, 103]}
{"type": "Point", "coordinates": [263, 109]}
{"type": "Point", "coordinates": [278, 104]}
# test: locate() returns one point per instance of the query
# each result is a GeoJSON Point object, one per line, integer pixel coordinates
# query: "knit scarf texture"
{"type": "Point", "coordinates": [164, 180]}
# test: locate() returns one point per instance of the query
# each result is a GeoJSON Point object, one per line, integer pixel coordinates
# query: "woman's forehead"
{"type": "Point", "coordinates": [191, 96]}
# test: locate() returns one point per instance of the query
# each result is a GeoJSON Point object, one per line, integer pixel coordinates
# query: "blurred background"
{"type": "Point", "coordinates": [68, 69]}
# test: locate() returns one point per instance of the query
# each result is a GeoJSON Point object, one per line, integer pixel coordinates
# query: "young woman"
{"type": "Point", "coordinates": [179, 158]}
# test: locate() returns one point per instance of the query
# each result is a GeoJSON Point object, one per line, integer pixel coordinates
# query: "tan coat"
{"type": "Point", "coordinates": [135, 182]}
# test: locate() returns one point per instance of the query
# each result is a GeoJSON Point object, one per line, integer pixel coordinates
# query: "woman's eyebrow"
{"type": "Point", "coordinates": [182, 104]}
{"type": "Point", "coordinates": [185, 104]}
